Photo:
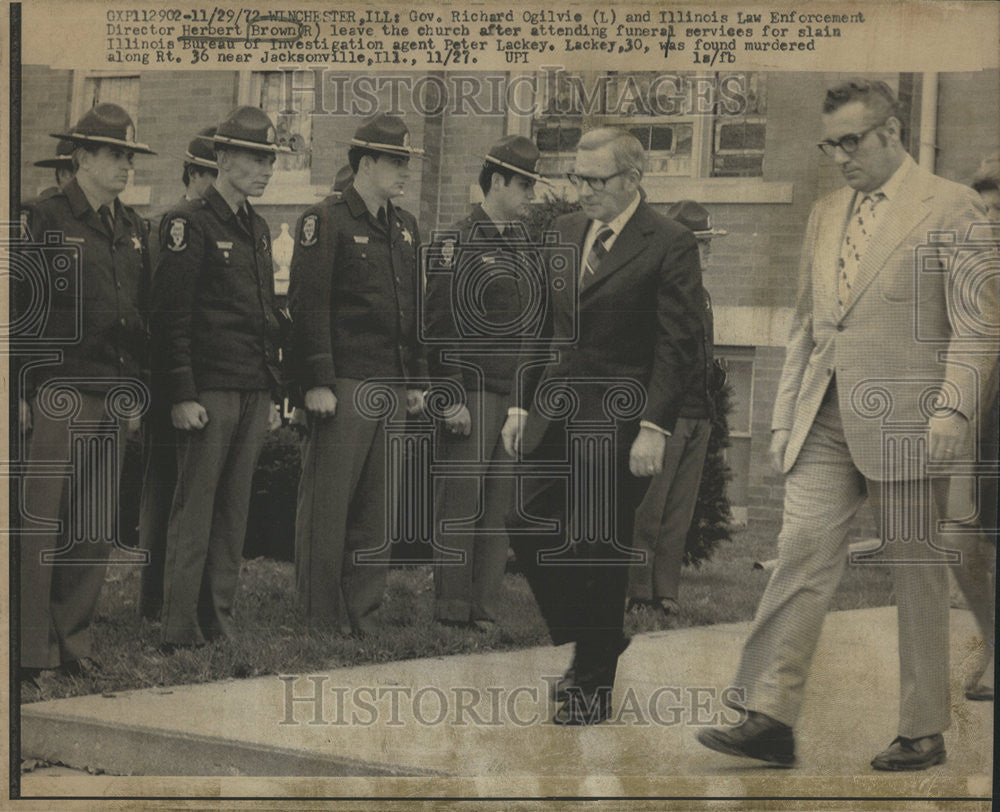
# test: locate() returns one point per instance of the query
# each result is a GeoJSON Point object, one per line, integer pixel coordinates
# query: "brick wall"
{"type": "Point", "coordinates": [45, 104]}
{"type": "Point", "coordinates": [968, 122]}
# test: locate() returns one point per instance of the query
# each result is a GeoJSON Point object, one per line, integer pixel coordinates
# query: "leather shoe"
{"type": "Point", "coordinates": [84, 667]}
{"type": "Point", "coordinates": [911, 754]}
{"type": "Point", "coordinates": [637, 604]}
{"type": "Point", "coordinates": [979, 693]}
{"type": "Point", "coordinates": [759, 737]}
{"type": "Point", "coordinates": [584, 707]}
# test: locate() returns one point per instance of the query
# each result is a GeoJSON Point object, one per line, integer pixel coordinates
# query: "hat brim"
{"type": "Point", "coordinates": [711, 232]}
{"type": "Point", "coordinates": [533, 175]}
{"type": "Point", "coordinates": [387, 149]}
{"type": "Point", "coordinates": [194, 159]}
{"type": "Point", "coordinates": [252, 146]}
{"type": "Point", "coordinates": [83, 138]}
{"type": "Point", "coordinates": [55, 163]}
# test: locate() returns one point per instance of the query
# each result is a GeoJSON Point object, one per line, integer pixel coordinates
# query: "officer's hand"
{"type": "Point", "coordinates": [512, 431]}
{"type": "Point", "coordinates": [779, 442]}
{"type": "Point", "coordinates": [948, 434]}
{"type": "Point", "coordinates": [24, 416]}
{"type": "Point", "coordinates": [321, 402]}
{"type": "Point", "coordinates": [459, 421]}
{"type": "Point", "coordinates": [274, 418]}
{"type": "Point", "coordinates": [646, 456]}
{"type": "Point", "coordinates": [414, 401]}
{"type": "Point", "coordinates": [188, 415]}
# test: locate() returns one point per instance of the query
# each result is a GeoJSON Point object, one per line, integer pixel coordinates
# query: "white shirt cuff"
{"type": "Point", "coordinates": [647, 425]}
{"type": "Point", "coordinates": [513, 410]}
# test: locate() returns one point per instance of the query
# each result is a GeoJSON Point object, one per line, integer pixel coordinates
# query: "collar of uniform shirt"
{"type": "Point", "coordinates": [96, 204]}
{"type": "Point", "coordinates": [616, 226]}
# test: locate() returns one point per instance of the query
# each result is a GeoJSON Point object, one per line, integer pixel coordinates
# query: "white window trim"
{"type": "Point", "coordinates": [289, 188]}
{"type": "Point", "coordinates": [662, 188]}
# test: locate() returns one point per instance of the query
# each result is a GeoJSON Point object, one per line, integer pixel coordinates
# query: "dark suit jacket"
{"type": "Point", "coordinates": [639, 317]}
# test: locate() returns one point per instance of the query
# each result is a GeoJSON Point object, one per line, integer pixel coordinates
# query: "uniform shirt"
{"type": "Point", "coordinates": [214, 320]}
{"type": "Point", "coordinates": [88, 300]}
{"type": "Point", "coordinates": [477, 287]}
{"type": "Point", "coordinates": [353, 294]}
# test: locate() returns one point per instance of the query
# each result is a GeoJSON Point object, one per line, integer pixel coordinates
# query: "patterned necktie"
{"type": "Point", "coordinates": [857, 235]}
{"type": "Point", "coordinates": [597, 253]}
{"type": "Point", "coordinates": [109, 224]}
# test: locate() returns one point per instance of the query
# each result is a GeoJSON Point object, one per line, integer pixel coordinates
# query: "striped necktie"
{"type": "Point", "coordinates": [597, 253]}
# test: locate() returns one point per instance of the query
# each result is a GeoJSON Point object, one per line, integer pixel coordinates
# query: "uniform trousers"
{"type": "Point", "coordinates": [158, 483]}
{"type": "Point", "coordinates": [470, 590]}
{"type": "Point", "coordinates": [664, 517]}
{"type": "Point", "coordinates": [208, 515]}
{"type": "Point", "coordinates": [823, 492]}
{"type": "Point", "coordinates": [342, 510]}
{"type": "Point", "coordinates": [58, 599]}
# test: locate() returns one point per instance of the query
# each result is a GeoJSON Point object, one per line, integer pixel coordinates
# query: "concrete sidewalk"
{"type": "Point", "coordinates": [478, 725]}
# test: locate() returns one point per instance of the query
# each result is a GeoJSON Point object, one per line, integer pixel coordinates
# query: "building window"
{"type": "Point", "coordinates": [693, 125]}
{"type": "Point", "coordinates": [102, 88]}
{"type": "Point", "coordinates": [739, 369]}
{"type": "Point", "coordinates": [273, 92]}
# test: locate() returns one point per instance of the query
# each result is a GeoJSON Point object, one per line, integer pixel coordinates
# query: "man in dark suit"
{"type": "Point", "coordinates": [480, 257]}
{"type": "Point", "coordinates": [637, 324]}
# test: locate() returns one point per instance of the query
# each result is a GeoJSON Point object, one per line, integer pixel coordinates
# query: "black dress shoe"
{"type": "Point", "coordinates": [560, 689]}
{"type": "Point", "coordinates": [584, 707]}
{"type": "Point", "coordinates": [911, 754]}
{"type": "Point", "coordinates": [84, 667]}
{"type": "Point", "coordinates": [759, 737]}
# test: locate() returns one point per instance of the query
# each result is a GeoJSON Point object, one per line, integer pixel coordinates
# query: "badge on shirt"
{"type": "Point", "coordinates": [407, 236]}
{"type": "Point", "coordinates": [265, 244]}
{"type": "Point", "coordinates": [178, 234]}
{"type": "Point", "coordinates": [225, 247]}
{"type": "Point", "coordinates": [360, 239]}
{"type": "Point", "coordinates": [308, 235]}
{"type": "Point", "coordinates": [136, 243]}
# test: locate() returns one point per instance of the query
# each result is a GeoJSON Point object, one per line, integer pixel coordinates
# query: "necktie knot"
{"type": "Point", "coordinates": [106, 219]}
{"type": "Point", "coordinates": [382, 216]}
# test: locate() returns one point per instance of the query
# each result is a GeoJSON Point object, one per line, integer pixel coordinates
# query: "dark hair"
{"type": "Point", "coordinates": [191, 170]}
{"type": "Point", "coordinates": [355, 154]}
{"type": "Point", "coordinates": [874, 95]}
{"type": "Point", "coordinates": [489, 170]}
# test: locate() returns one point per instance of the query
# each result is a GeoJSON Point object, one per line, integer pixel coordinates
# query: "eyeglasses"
{"type": "Point", "coordinates": [596, 184]}
{"type": "Point", "coordinates": [849, 143]}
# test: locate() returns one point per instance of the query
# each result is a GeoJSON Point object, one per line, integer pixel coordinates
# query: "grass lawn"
{"type": "Point", "coordinates": [270, 637]}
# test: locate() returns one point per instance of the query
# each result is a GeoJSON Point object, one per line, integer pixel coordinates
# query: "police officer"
{"type": "Point", "coordinates": [58, 599]}
{"type": "Point", "coordinates": [480, 255]}
{"type": "Point", "coordinates": [62, 163]}
{"type": "Point", "coordinates": [352, 296]}
{"type": "Point", "coordinates": [215, 334]}
{"type": "Point", "coordinates": [160, 477]}
{"type": "Point", "coordinates": [665, 513]}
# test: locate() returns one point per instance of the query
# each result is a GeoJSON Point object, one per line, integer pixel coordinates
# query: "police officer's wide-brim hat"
{"type": "Point", "coordinates": [385, 133]}
{"type": "Point", "coordinates": [247, 128]}
{"type": "Point", "coordinates": [694, 216]}
{"type": "Point", "coordinates": [106, 124]}
{"type": "Point", "coordinates": [517, 153]}
{"type": "Point", "coordinates": [63, 159]}
{"type": "Point", "coordinates": [200, 152]}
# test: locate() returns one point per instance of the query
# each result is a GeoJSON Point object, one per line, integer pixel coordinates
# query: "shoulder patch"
{"type": "Point", "coordinates": [178, 233]}
{"type": "Point", "coordinates": [308, 234]}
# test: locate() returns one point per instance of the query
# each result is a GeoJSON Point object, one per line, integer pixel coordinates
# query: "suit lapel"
{"type": "Point", "coordinates": [903, 215]}
{"type": "Point", "coordinates": [627, 245]}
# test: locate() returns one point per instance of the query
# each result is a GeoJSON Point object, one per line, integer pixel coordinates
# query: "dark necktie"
{"type": "Point", "coordinates": [597, 253]}
{"type": "Point", "coordinates": [382, 217]}
{"type": "Point", "coordinates": [244, 217]}
{"type": "Point", "coordinates": [108, 222]}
